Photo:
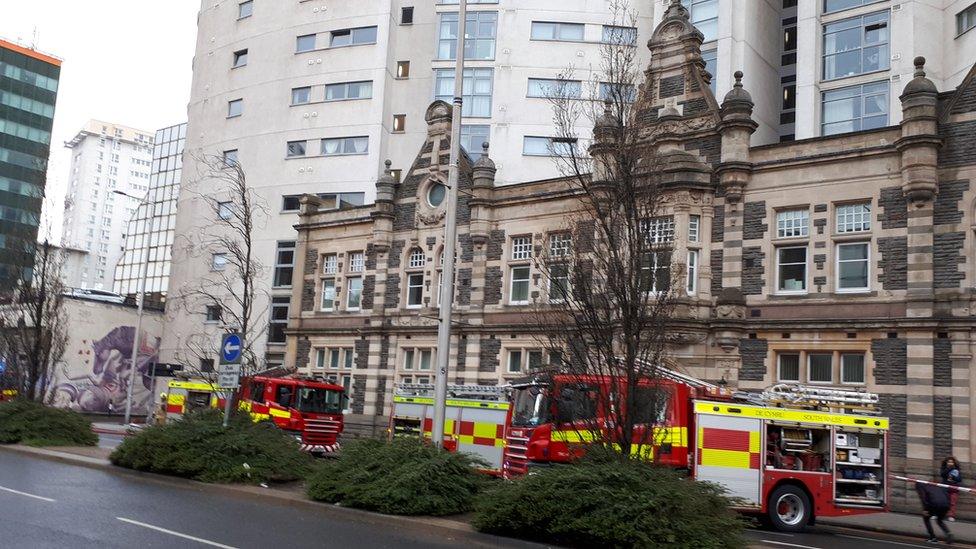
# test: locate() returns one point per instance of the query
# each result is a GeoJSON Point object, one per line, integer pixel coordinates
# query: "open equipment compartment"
{"type": "Point", "coordinates": [859, 470]}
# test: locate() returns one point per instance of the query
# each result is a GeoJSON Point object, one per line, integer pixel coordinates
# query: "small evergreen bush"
{"type": "Point", "coordinates": [26, 422]}
{"type": "Point", "coordinates": [198, 446]}
{"type": "Point", "coordinates": [402, 477]}
{"type": "Point", "coordinates": [611, 502]}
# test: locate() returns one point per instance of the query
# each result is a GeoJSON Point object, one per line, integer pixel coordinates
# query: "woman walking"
{"type": "Point", "coordinates": [953, 477]}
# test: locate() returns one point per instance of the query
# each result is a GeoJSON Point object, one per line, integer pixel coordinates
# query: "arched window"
{"type": "Point", "coordinates": [417, 259]}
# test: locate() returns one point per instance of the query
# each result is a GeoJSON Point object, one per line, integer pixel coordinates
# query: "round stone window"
{"type": "Point", "coordinates": [435, 195]}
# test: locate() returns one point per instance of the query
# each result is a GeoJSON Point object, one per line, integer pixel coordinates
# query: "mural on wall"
{"type": "Point", "coordinates": [96, 379]}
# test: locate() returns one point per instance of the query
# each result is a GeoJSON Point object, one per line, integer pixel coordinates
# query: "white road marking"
{"type": "Point", "coordinates": [177, 534]}
{"type": "Point", "coordinates": [886, 541]}
{"type": "Point", "coordinates": [788, 544]}
{"type": "Point", "coordinates": [19, 493]}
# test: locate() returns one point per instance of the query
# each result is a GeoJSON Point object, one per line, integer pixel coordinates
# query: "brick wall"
{"type": "Point", "coordinates": [671, 86]}
{"type": "Point", "coordinates": [716, 262]}
{"type": "Point", "coordinates": [753, 353]}
{"type": "Point", "coordinates": [493, 285]}
{"type": "Point", "coordinates": [754, 220]}
{"type": "Point", "coordinates": [753, 270]}
{"type": "Point", "coordinates": [946, 258]}
{"type": "Point", "coordinates": [893, 265]}
{"type": "Point", "coordinates": [894, 208]}
{"type": "Point", "coordinates": [488, 355]}
{"type": "Point", "coordinates": [947, 202]}
{"type": "Point", "coordinates": [890, 361]}
{"type": "Point", "coordinates": [718, 224]}
{"type": "Point", "coordinates": [391, 295]}
{"type": "Point", "coordinates": [895, 408]}
{"type": "Point", "coordinates": [942, 426]}
{"type": "Point", "coordinates": [941, 363]}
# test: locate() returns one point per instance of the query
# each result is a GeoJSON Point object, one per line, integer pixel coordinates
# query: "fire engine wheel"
{"type": "Point", "coordinates": [789, 509]}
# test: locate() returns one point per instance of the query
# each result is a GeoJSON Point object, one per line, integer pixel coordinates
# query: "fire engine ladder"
{"type": "Point", "coordinates": [820, 398]}
{"type": "Point", "coordinates": [673, 375]}
{"type": "Point", "coordinates": [474, 392]}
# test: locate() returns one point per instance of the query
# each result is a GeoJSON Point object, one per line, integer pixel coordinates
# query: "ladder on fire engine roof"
{"type": "Point", "coordinates": [788, 395]}
{"type": "Point", "coordinates": [474, 392]}
{"type": "Point", "coordinates": [667, 373]}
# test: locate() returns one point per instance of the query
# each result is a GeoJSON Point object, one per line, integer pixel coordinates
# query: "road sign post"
{"type": "Point", "coordinates": [229, 370]}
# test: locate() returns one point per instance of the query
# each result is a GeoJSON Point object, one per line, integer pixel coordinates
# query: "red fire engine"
{"type": "Point", "coordinates": [310, 410]}
{"type": "Point", "coordinates": [791, 453]}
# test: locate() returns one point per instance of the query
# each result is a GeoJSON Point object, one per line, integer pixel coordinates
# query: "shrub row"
{"type": "Point", "coordinates": [30, 423]}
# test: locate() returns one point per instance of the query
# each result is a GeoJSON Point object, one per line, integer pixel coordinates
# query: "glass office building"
{"type": "Point", "coordinates": [28, 93]}
{"type": "Point", "coordinates": [151, 230]}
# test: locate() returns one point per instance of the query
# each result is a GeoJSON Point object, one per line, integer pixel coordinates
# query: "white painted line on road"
{"type": "Point", "coordinates": [789, 544]}
{"type": "Point", "coordinates": [884, 540]}
{"type": "Point", "coordinates": [19, 493]}
{"type": "Point", "coordinates": [177, 534]}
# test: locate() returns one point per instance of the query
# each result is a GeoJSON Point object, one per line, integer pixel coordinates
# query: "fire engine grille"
{"type": "Point", "coordinates": [320, 431]}
{"type": "Point", "coordinates": [516, 462]}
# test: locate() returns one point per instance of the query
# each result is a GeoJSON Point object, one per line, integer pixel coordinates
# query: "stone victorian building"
{"type": "Point", "coordinates": [844, 261]}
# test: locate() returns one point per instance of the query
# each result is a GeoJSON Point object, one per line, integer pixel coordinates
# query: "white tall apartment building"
{"type": "Point", "coordinates": [311, 96]}
{"type": "Point", "coordinates": [105, 157]}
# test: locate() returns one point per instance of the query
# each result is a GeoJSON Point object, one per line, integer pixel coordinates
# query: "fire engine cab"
{"type": "Point", "coordinates": [790, 453]}
{"type": "Point", "coordinates": [310, 410]}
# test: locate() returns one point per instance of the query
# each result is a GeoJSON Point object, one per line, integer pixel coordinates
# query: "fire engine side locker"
{"type": "Point", "coordinates": [728, 452]}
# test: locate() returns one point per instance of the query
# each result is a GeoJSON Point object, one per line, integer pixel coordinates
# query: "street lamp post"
{"type": "Point", "coordinates": [142, 299]}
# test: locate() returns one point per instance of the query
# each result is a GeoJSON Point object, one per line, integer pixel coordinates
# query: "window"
{"type": "Point", "coordinates": [788, 367]}
{"type": "Point", "coordinates": [225, 210]}
{"type": "Point", "coordinates": [548, 146]}
{"type": "Point", "coordinates": [235, 108]}
{"type": "Point", "coordinates": [213, 313]}
{"type": "Point", "coordinates": [542, 30]}
{"type": "Point", "coordinates": [558, 283]}
{"type": "Point", "coordinates": [354, 293]}
{"type": "Point", "coordinates": [854, 218]}
{"type": "Point", "coordinates": [856, 45]}
{"type": "Point", "coordinates": [789, 39]}
{"type": "Point", "coordinates": [403, 69]}
{"type": "Point", "coordinates": [337, 146]}
{"type": "Point", "coordinates": [330, 264]}
{"type": "Point", "coordinates": [692, 283]}
{"type": "Point", "coordinates": [710, 57]}
{"type": "Point", "coordinates": [966, 19]}
{"type": "Point", "coordinates": [320, 358]}
{"type": "Point", "coordinates": [240, 58]}
{"type": "Point", "coordinates": [560, 244]}
{"type": "Point", "coordinates": [789, 97]}
{"type": "Point", "coordinates": [356, 262]}
{"type": "Point", "coordinates": [417, 259]}
{"type": "Point", "coordinates": [659, 230]}
{"type": "Point", "coordinates": [476, 90]}
{"type": "Point", "coordinates": [694, 228]}
{"type": "Point", "coordinates": [791, 270]}
{"type": "Point", "coordinates": [855, 108]}
{"type": "Point", "coordinates": [519, 294]}
{"type": "Point", "coordinates": [626, 93]}
{"type": "Point", "coordinates": [218, 262]}
{"type": "Point", "coordinates": [479, 39]}
{"type": "Point", "coordinates": [328, 294]}
{"type": "Point", "coordinates": [554, 87]}
{"type": "Point", "coordinates": [284, 264]}
{"type": "Point", "coordinates": [349, 90]}
{"type": "Point", "coordinates": [291, 202]}
{"type": "Point", "coordinates": [820, 367]}
{"type": "Point", "coordinates": [853, 266]}
{"type": "Point", "coordinates": [245, 9]}
{"type": "Point", "coordinates": [406, 15]}
{"type": "Point", "coordinates": [852, 368]}
{"type": "Point", "coordinates": [792, 223]}
{"type": "Point", "coordinates": [296, 148]}
{"type": "Point", "coordinates": [623, 36]}
{"type": "Point", "coordinates": [305, 43]}
{"type": "Point", "coordinates": [839, 5]}
{"type": "Point", "coordinates": [415, 290]}
{"type": "Point", "coordinates": [704, 15]}
{"type": "Point", "coordinates": [399, 123]}
{"type": "Point", "coordinates": [656, 271]}
{"type": "Point", "coordinates": [473, 138]}
{"type": "Point", "coordinates": [301, 96]}
{"type": "Point", "coordinates": [515, 361]}
{"type": "Point", "coordinates": [279, 319]}
{"type": "Point", "coordinates": [521, 248]}
{"type": "Point", "coordinates": [353, 37]}
{"type": "Point", "coordinates": [419, 359]}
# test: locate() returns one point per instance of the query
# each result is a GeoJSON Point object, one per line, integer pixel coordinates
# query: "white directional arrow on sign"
{"type": "Point", "coordinates": [231, 348]}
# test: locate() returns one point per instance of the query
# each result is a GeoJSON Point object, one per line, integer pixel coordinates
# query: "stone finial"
{"type": "Point", "coordinates": [920, 84]}
{"type": "Point", "coordinates": [919, 66]}
{"type": "Point", "coordinates": [738, 93]}
{"type": "Point", "coordinates": [385, 184]}
{"type": "Point", "coordinates": [484, 163]}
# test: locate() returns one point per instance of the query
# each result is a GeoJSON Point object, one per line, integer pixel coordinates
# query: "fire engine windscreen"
{"type": "Point", "coordinates": [531, 407]}
{"type": "Point", "coordinates": [318, 401]}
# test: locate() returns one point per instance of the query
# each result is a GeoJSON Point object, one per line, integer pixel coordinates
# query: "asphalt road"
{"type": "Point", "coordinates": [50, 504]}
{"type": "Point", "coordinates": [836, 538]}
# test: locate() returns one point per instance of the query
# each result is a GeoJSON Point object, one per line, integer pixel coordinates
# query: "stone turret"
{"type": "Point", "coordinates": [736, 127]}
{"type": "Point", "coordinates": [605, 134]}
{"type": "Point", "coordinates": [919, 143]}
{"type": "Point", "coordinates": [382, 213]}
{"type": "Point", "coordinates": [483, 179]}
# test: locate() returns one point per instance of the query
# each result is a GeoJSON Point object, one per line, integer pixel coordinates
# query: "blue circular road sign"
{"type": "Point", "coordinates": [230, 349]}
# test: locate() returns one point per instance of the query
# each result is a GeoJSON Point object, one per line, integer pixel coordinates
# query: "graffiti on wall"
{"type": "Point", "coordinates": [96, 380]}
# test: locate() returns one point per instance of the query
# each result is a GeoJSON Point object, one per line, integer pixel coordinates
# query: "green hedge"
{"type": "Point", "coordinates": [30, 423]}
{"type": "Point", "coordinates": [611, 503]}
{"type": "Point", "coordinates": [402, 477]}
{"type": "Point", "coordinates": [197, 446]}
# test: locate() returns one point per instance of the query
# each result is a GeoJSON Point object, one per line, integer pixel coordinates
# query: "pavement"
{"type": "Point", "coordinates": [856, 532]}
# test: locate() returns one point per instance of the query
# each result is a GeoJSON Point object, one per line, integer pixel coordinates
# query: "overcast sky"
{"type": "Point", "coordinates": [125, 61]}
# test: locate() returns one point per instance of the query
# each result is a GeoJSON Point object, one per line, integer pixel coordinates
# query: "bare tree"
{"type": "Point", "coordinates": [612, 278]}
{"type": "Point", "coordinates": [34, 324]}
{"type": "Point", "coordinates": [231, 290]}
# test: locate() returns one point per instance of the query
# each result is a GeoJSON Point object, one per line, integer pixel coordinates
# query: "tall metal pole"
{"type": "Point", "coordinates": [450, 239]}
{"type": "Point", "coordinates": [142, 299]}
